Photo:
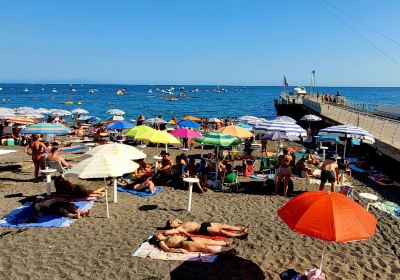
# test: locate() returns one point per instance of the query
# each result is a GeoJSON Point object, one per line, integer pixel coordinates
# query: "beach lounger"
{"type": "Point", "coordinates": [357, 169]}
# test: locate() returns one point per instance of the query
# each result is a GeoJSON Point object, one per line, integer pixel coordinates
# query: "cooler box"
{"type": "Point", "coordinates": [10, 142]}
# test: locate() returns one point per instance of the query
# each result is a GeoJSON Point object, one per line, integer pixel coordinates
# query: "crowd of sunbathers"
{"type": "Point", "coordinates": [184, 237]}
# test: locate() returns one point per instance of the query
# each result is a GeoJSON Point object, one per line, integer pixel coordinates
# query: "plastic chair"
{"type": "Point", "coordinates": [230, 180]}
{"type": "Point", "coordinates": [57, 166]}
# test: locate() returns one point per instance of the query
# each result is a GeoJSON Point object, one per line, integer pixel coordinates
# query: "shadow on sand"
{"type": "Point", "coordinates": [225, 267]}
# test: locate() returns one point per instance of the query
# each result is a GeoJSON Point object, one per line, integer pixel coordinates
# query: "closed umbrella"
{"type": "Point", "coordinates": [104, 166]}
{"type": "Point", "coordinates": [189, 124]}
{"type": "Point", "coordinates": [46, 128]}
{"type": "Point", "coordinates": [348, 131]}
{"type": "Point", "coordinates": [218, 140]}
{"type": "Point", "coordinates": [119, 125]}
{"type": "Point", "coordinates": [236, 131]}
{"type": "Point", "coordinates": [328, 216]}
{"type": "Point", "coordinates": [159, 137]}
{"type": "Point", "coordinates": [117, 150]}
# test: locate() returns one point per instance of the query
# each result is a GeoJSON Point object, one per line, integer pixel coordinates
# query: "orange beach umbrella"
{"type": "Point", "coordinates": [236, 131]}
{"type": "Point", "coordinates": [328, 216]}
{"type": "Point", "coordinates": [192, 118]}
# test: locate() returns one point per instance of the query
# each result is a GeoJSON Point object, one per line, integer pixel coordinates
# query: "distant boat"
{"type": "Point", "coordinates": [54, 90]}
{"type": "Point", "coordinates": [26, 89]}
{"type": "Point", "coordinates": [150, 91]}
{"type": "Point", "coordinates": [120, 91]}
{"type": "Point", "coordinates": [1, 88]}
{"type": "Point", "coordinates": [73, 90]}
{"type": "Point", "coordinates": [42, 88]}
{"type": "Point", "coordinates": [93, 90]}
{"type": "Point", "coordinates": [300, 90]}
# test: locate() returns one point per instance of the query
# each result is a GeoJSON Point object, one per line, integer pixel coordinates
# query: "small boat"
{"type": "Point", "coordinates": [93, 90]}
{"type": "Point", "coordinates": [1, 88]}
{"type": "Point", "coordinates": [300, 91]}
{"type": "Point", "coordinates": [54, 90]}
{"type": "Point", "coordinates": [182, 89]}
{"type": "Point", "coordinates": [120, 91]}
{"type": "Point", "coordinates": [42, 88]}
{"type": "Point", "coordinates": [172, 98]}
{"type": "Point", "coordinates": [79, 102]}
{"type": "Point", "coordinates": [26, 89]}
{"type": "Point", "coordinates": [69, 102]}
{"type": "Point", "coordinates": [73, 90]}
{"type": "Point", "coordinates": [150, 91]}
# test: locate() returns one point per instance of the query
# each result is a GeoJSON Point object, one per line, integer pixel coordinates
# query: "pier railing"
{"type": "Point", "coordinates": [384, 129]}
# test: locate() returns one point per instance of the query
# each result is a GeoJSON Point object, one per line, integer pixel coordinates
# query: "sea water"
{"type": "Point", "coordinates": [237, 101]}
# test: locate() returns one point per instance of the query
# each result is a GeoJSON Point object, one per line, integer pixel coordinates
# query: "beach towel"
{"type": "Point", "coordinates": [212, 237]}
{"type": "Point", "coordinates": [73, 149]}
{"type": "Point", "coordinates": [145, 193]}
{"type": "Point", "coordinates": [388, 207]}
{"type": "Point", "coordinates": [357, 169]}
{"type": "Point", "coordinates": [147, 250]}
{"type": "Point", "coordinates": [18, 218]}
{"type": "Point", "coordinates": [262, 176]}
{"type": "Point", "coordinates": [394, 183]}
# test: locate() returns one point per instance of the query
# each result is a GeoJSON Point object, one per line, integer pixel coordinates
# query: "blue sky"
{"type": "Point", "coordinates": [238, 42]}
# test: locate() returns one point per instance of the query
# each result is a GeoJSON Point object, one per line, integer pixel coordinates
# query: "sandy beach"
{"type": "Point", "coordinates": [100, 248]}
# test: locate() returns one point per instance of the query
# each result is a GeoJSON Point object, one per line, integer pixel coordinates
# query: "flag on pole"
{"type": "Point", "coordinates": [285, 82]}
{"type": "Point", "coordinates": [313, 77]}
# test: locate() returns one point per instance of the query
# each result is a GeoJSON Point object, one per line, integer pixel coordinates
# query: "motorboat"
{"type": "Point", "coordinates": [150, 91]}
{"type": "Point", "coordinates": [120, 91]}
{"type": "Point", "coordinates": [54, 90]}
{"type": "Point", "coordinates": [26, 89]}
{"type": "Point", "coordinates": [300, 91]}
{"type": "Point", "coordinates": [93, 90]}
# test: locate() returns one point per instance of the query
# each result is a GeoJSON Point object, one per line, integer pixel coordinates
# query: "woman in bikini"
{"type": "Point", "coordinates": [37, 152]}
{"type": "Point", "coordinates": [284, 174]}
{"type": "Point", "coordinates": [176, 226]}
{"type": "Point", "coordinates": [181, 243]}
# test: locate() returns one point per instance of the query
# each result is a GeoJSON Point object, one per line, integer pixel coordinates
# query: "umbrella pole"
{"type": "Point", "coordinates": [344, 152]}
{"type": "Point", "coordinates": [166, 147]}
{"type": "Point", "coordinates": [115, 200]}
{"type": "Point", "coordinates": [322, 256]}
{"type": "Point", "coordinates": [216, 169]}
{"type": "Point", "coordinates": [202, 150]}
{"type": "Point", "coordinates": [108, 212]}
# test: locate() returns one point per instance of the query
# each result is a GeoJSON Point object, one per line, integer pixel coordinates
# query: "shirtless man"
{"type": "Point", "coordinates": [330, 173]}
{"type": "Point", "coordinates": [177, 226]}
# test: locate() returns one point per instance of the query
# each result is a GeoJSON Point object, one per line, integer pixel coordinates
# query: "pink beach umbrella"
{"type": "Point", "coordinates": [185, 133]}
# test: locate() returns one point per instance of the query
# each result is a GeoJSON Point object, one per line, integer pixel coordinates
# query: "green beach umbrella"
{"type": "Point", "coordinates": [218, 140]}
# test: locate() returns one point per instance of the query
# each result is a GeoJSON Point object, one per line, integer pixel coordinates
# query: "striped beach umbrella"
{"type": "Point", "coordinates": [104, 166]}
{"type": "Point", "coordinates": [117, 150]}
{"type": "Point", "coordinates": [218, 139]}
{"type": "Point", "coordinates": [348, 131]}
{"type": "Point", "coordinates": [46, 128]}
{"type": "Point", "coordinates": [249, 119]}
{"type": "Point", "coordinates": [285, 119]}
{"type": "Point", "coordinates": [289, 129]}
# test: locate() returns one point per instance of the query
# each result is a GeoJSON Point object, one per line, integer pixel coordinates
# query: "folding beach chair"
{"type": "Point", "coordinates": [57, 166]}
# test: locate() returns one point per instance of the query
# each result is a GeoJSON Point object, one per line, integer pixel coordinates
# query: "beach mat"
{"type": "Point", "coordinates": [145, 193]}
{"type": "Point", "coordinates": [18, 217]}
{"type": "Point", "coordinates": [146, 250]}
{"type": "Point", "coordinates": [73, 149]}
{"type": "Point", "coordinates": [357, 169]}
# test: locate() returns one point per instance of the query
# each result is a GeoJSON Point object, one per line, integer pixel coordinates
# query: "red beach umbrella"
{"type": "Point", "coordinates": [328, 216]}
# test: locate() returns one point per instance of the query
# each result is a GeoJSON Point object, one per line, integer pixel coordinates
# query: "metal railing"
{"type": "Point", "coordinates": [384, 129]}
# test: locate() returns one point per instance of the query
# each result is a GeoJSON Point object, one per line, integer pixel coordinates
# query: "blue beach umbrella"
{"type": "Point", "coordinates": [189, 124]}
{"type": "Point", "coordinates": [246, 126]}
{"type": "Point", "coordinates": [119, 125]}
{"type": "Point", "coordinates": [46, 128]}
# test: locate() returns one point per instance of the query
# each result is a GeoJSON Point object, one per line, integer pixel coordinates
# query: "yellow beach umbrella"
{"type": "Point", "coordinates": [104, 166]}
{"type": "Point", "coordinates": [160, 136]}
{"type": "Point", "coordinates": [117, 150]}
{"type": "Point", "coordinates": [235, 131]}
{"type": "Point", "coordinates": [138, 131]}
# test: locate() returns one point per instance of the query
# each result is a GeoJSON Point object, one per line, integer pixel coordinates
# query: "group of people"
{"type": "Point", "coordinates": [185, 237]}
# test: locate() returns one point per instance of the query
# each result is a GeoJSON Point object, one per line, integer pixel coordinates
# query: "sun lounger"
{"type": "Point", "coordinates": [357, 169]}
{"type": "Point", "coordinates": [25, 217]}
{"type": "Point", "coordinates": [147, 250]}
{"type": "Point", "coordinates": [394, 183]}
{"type": "Point", "coordinates": [145, 193]}
{"type": "Point", "coordinates": [388, 207]}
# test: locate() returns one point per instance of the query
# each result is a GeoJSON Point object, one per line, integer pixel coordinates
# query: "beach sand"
{"type": "Point", "coordinates": [101, 248]}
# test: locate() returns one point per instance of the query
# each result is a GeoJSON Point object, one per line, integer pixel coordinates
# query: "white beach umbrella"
{"type": "Point", "coordinates": [24, 108]}
{"type": "Point", "coordinates": [285, 119]}
{"type": "Point", "coordinates": [116, 112]}
{"type": "Point", "coordinates": [60, 112]}
{"type": "Point", "coordinates": [117, 150]}
{"type": "Point", "coordinates": [6, 115]}
{"type": "Point", "coordinates": [348, 131]}
{"type": "Point", "coordinates": [103, 166]}
{"type": "Point", "coordinates": [249, 119]}
{"type": "Point", "coordinates": [310, 118]}
{"type": "Point", "coordinates": [290, 129]}
{"type": "Point", "coordinates": [214, 120]}
{"type": "Point", "coordinates": [42, 111]}
{"type": "Point", "coordinates": [79, 111]}
{"type": "Point", "coordinates": [6, 110]}
{"type": "Point", "coordinates": [153, 121]}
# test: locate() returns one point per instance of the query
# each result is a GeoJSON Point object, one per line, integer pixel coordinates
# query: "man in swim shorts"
{"type": "Point", "coordinates": [330, 173]}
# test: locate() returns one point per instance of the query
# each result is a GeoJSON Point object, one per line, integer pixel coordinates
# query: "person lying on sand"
{"type": "Point", "coordinates": [177, 226]}
{"type": "Point", "coordinates": [57, 206]}
{"type": "Point", "coordinates": [180, 243]}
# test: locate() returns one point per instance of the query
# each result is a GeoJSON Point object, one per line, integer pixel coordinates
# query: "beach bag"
{"type": "Point", "coordinates": [315, 274]}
